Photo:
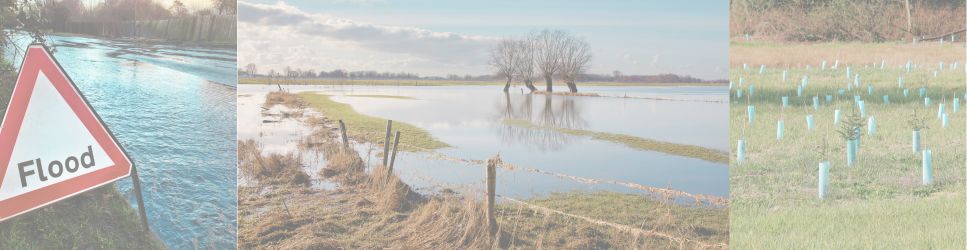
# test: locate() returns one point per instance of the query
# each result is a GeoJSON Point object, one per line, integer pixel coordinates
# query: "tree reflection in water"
{"type": "Point", "coordinates": [556, 111]}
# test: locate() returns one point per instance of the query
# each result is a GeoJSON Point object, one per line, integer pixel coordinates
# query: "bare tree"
{"type": "Point", "coordinates": [575, 57]}
{"type": "Point", "coordinates": [251, 69]}
{"type": "Point", "coordinates": [547, 45]}
{"type": "Point", "coordinates": [504, 59]}
{"type": "Point", "coordinates": [524, 67]}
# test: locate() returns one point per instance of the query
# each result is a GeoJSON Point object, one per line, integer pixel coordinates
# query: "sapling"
{"type": "Point", "coordinates": [822, 150]}
{"type": "Point", "coordinates": [918, 124]}
{"type": "Point", "coordinates": [850, 131]}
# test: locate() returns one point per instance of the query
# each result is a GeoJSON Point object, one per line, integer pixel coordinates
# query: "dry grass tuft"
{"type": "Point", "coordinates": [447, 223]}
{"type": "Point", "coordinates": [285, 98]}
{"type": "Point", "coordinates": [390, 193]}
{"type": "Point", "coordinates": [274, 168]}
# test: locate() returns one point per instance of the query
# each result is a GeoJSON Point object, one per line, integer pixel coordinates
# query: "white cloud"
{"type": "Point", "coordinates": [654, 60]}
{"type": "Point", "coordinates": [402, 47]}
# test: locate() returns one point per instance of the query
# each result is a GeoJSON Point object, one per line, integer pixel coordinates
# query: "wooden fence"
{"type": "Point", "coordinates": [219, 29]}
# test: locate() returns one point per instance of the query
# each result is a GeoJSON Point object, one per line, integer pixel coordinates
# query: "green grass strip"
{"type": "Point", "coordinates": [369, 128]}
{"type": "Point", "coordinates": [691, 151]}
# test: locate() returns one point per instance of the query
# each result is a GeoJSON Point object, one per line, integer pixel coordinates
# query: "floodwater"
{"type": "Point", "coordinates": [173, 110]}
{"type": "Point", "coordinates": [471, 120]}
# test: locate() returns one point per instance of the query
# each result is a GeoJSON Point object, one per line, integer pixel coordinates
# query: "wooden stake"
{"type": "Point", "coordinates": [136, 182]}
{"type": "Point", "coordinates": [389, 127]}
{"type": "Point", "coordinates": [392, 161]}
{"type": "Point", "coordinates": [491, 193]}
{"type": "Point", "coordinates": [342, 130]}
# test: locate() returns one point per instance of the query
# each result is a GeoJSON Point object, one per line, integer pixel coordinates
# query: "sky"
{"type": "Point", "coordinates": [440, 37]}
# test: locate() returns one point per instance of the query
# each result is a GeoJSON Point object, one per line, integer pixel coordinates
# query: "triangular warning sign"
{"type": "Point", "coordinates": [52, 143]}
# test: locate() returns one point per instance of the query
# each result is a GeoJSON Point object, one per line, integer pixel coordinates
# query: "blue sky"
{"type": "Point", "coordinates": [635, 37]}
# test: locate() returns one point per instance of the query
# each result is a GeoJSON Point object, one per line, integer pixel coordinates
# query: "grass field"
{"type": "Point", "coordinates": [880, 201]}
{"type": "Point", "coordinates": [97, 219]}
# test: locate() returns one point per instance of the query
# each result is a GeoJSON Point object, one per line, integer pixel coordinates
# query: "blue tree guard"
{"type": "Point", "coordinates": [851, 147]}
{"type": "Point", "coordinates": [871, 126]}
{"type": "Point", "coordinates": [751, 112]}
{"type": "Point", "coordinates": [927, 167]}
{"type": "Point", "coordinates": [956, 104]}
{"type": "Point", "coordinates": [823, 179]}
{"type": "Point", "coordinates": [836, 115]}
{"type": "Point", "coordinates": [779, 128]}
{"type": "Point", "coordinates": [916, 141]}
{"type": "Point", "coordinates": [740, 151]}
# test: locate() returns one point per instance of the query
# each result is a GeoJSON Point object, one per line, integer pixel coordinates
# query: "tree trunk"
{"type": "Point", "coordinates": [571, 86]}
{"type": "Point", "coordinates": [507, 85]}
{"type": "Point", "coordinates": [550, 82]}
{"type": "Point", "coordinates": [530, 85]}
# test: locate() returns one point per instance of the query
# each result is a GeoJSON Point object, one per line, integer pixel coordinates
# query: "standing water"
{"type": "Point", "coordinates": [473, 120]}
{"type": "Point", "coordinates": [173, 110]}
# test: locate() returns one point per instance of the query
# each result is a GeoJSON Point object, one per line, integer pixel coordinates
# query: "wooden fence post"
{"type": "Point", "coordinates": [342, 130]}
{"type": "Point", "coordinates": [396, 142]}
{"type": "Point", "coordinates": [389, 127]}
{"type": "Point", "coordinates": [491, 193]}
{"type": "Point", "coordinates": [136, 182]}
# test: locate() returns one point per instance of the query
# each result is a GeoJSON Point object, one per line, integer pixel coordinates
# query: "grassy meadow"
{"type": "Point", "coordinates": [879, 201]}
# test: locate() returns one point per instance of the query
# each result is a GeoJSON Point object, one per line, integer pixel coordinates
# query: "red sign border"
{"type": "Point", "coordinates": [40, 60]}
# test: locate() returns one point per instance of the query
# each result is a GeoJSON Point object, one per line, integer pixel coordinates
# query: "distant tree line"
{"type": "Point", "coordinates": [57, 13]}
{"type": "Point", "coordinates": [251, 70]}
{"type": "Point", "coordinates": [546, 54]}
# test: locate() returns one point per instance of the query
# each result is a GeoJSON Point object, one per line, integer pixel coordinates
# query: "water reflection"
{"type": "Point", "coordinates": [564, 113]}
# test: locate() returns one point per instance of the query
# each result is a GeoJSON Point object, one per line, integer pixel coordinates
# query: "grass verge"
{"type": "Point", "coordinates": [97, 219]}
{"type": "Point", "coordinates": [691, 151]}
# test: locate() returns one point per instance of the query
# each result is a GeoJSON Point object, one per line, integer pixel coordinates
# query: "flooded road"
{"type": "Point", "coordinates": [472, 119]}
{"type": "Point", "coordinates": [173, 110]}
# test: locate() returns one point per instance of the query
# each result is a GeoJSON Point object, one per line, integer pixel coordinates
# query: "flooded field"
{"type": "Point", "coordinates": [474, 121]}
{"type": "Point", "coordinates": [173, 111]}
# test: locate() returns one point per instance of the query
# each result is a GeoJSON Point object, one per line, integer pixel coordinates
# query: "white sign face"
{"type": "Point", "coordinates": [50, 129]}
{"type": "Point", "coordinates": [52, 144]}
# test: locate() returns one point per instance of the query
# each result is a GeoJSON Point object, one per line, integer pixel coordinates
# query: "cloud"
{"type": "Point", "coordinates": [654, 60]}
{"type": "Point", "coordinates": [441, 47]}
